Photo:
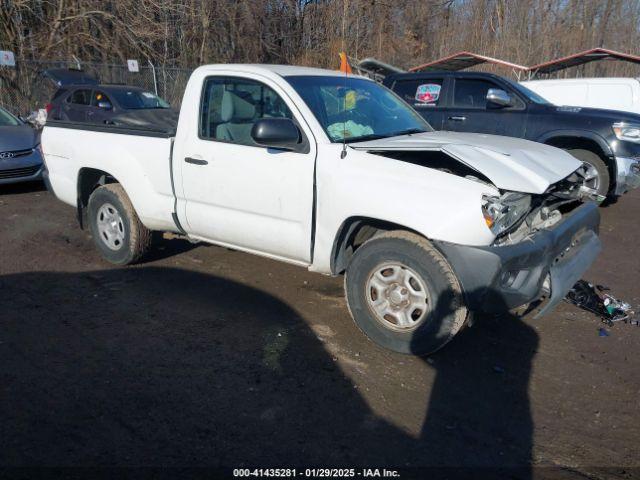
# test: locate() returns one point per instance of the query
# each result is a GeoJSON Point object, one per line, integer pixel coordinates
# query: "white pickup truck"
{"type": "Point", "coordinates": [336, 174]}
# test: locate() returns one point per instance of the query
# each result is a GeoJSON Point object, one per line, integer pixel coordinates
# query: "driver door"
{"type": "Point", "coordinates": [471, 112]}
{"type": "Point", "coordinates": [238, 193]}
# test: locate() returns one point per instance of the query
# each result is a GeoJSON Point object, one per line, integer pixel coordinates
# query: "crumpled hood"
{"type": "Point", "coordinates": [21, 137]}
{"type": "Point", "coordinates": [510, 163]}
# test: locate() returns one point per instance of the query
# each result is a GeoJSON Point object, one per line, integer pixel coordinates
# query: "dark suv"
{"type": "Point", "coordinates": [608, 140]}
{"type": "Point", "coordinates": [112, 105]}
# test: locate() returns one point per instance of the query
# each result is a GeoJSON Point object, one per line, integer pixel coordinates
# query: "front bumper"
{"type": "Point", "coordinates": [24, 168]}
{"type": "Point", "coordinates": [628, 174]}
{"type": "Point", "coordinates": [500, 278]}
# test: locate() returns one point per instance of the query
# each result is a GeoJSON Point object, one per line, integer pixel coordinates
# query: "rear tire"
{"type": "Point", "coordinates": [403, 294]}
{"type": "Point", "coordinates": [116, 229]}
{"type": "Point", "coordinates": [600, 169]}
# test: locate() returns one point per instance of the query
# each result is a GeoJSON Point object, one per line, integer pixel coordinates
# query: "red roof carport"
{"type": "Point", "coordinates": [462, 60]}
{"type": "Point", "coordinates": [582, 58]}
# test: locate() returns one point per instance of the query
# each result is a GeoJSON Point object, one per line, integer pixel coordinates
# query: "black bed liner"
{"type": "Point", "coordinates": [121, 130]}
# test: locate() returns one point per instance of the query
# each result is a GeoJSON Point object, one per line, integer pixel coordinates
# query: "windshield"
{"type": "Point", "coordinates": [355, 109]}
{"type": "Point", "coordinates": [136, 100]}
{"type": "Point", "coordinates": [8, 120]}
{"type": "Point", "coordinates": [530, 94]}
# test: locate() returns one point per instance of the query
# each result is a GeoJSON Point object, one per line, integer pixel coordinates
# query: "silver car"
{"type": "Point", "coordinates": [20, 156]}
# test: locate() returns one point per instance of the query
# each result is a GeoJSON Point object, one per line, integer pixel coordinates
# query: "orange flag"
{"type": "Point", "coordinates": [344, 63]}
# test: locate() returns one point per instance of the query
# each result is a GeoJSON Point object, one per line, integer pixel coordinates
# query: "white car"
{"type": "Point", "coordinates": [337, 174]}
{"type": "Point", "coordinates": [621, 93]}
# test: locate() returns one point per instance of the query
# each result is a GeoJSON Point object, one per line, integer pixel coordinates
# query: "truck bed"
{"type": "Point", "coordinates": [139, 159]}
{"type": "Point", "coordinates": [122, 130]}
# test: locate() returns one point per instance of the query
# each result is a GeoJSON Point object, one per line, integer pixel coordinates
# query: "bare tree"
{"type": "Point", "coordinates": [191, 32]}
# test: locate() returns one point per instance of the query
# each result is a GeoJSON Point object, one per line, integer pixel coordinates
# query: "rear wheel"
{"type": "Point", "coordinates": [116, 229]}
{"type": "Point", "coordinates": [598, 176]}
{"type": "Point", "coordinates": [403, 294]}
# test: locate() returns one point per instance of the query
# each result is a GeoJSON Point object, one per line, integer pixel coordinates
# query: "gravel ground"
{"type": "Point", "coordinates": [204, 356]}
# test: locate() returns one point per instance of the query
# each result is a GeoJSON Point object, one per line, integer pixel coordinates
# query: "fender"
{"type": "Point", "coordinates": [388, 192]}
{"type": "Point", "coordinates": [602, 143]}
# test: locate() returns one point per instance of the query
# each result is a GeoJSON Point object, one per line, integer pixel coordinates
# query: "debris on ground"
{"type": "Point", "coordinates": [593, 298]}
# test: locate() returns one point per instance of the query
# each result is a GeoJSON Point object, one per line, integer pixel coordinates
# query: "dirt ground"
{"type": "Point", "coordinates": [203, 356]}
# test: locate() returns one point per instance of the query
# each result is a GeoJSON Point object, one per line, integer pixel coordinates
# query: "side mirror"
{"type": "Point", "coordinates": [499, 97]}
{"type": "Point", "coordinates": [28, 120]}
{"type": "Point", "coordinates": [104, 105]}
{"type": "Point", "coordinates": [279, 133]}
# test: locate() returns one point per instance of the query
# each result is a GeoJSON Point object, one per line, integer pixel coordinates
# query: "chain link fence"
{"type": "Point", "coordinates": [23, 88]}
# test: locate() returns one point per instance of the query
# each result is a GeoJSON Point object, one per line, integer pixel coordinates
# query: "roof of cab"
{"type": "Point", "coordinates": [281, 70]}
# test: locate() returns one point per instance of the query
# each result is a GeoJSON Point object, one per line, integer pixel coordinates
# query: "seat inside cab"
{"type": "Point", "coordinates": [231, 107]}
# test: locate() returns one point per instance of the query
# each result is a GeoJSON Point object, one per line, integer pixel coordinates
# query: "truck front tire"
{"type": "Point", "coordinates": [403, 294]}
{"type": "Point", "coordinates": [116, 229]}
{"type": "Point", "coordinates": [602, 181]}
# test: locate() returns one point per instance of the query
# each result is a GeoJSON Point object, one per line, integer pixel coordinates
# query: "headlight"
{"type": "Point", "coordinates": [502, 213]}
{"type": "Point", "coordinates": [629, 132]}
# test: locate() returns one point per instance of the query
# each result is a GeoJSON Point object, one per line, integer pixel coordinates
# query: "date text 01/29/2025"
{"type": "Point", "coordinates": [315, 473]}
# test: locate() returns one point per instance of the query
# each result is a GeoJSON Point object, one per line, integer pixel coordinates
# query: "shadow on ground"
{"type": "Point", "coordinates": [161, 366]}
{"type": "Point", "coordinates": [162, 248]}
{"type": "Point", "coordinates": [23, 187]}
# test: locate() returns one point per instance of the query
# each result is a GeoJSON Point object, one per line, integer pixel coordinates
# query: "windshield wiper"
{"type": "Point", "coordinates": [364, 138]}
{"type": "Point", "coordinates": [377, 136]}
{"type": "Point", "coordinates": [408, 131]}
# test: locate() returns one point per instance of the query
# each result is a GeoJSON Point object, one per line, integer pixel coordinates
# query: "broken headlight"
{"type": "Point", "coordinates": [502, 213]}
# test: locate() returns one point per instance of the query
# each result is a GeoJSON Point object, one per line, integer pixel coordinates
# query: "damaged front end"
{"type": "Point", "coordinates": [543, 216]}
{"type": "Point", "coordinates": [505, 276]}
{"type": "Point", "coordinates": [515, 216]}
{"type": "Point", "coordinates": [544, 243]}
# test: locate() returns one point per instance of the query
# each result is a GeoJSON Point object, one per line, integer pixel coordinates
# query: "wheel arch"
{"type": "Point", "coordinates": [569, 139]}
{"type": "Point", "coordinates": [353, 232]}
{"type": "Point", "coordinates": [88, 180]}
{"type": "Point", "coordinates": [577, 138]}
{"type": "Point", "coordinates": [587, 141]}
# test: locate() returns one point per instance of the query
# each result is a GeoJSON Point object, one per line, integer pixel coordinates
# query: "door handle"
{"type": "Point", "coordinates": [458, 118]}
{"type": "Point", "coordinates": [195, 161]}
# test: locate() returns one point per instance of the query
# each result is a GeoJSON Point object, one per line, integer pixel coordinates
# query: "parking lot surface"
{"type": "Point", "coordinates": [204, 356]}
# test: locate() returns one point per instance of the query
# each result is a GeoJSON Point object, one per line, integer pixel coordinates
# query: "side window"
{"type": "Point", "coordinates": [59, 93]}
{"type": "Point", "coordinates": [471, 92]}
{"type": "Point", "coordinates": [230, 106]}
{"type": "Point", "coordinates": [80, 97]}
{"type": "Point", "coordinates": [99, 97]}
{"type": "Point", "coordinates": [420, 93]}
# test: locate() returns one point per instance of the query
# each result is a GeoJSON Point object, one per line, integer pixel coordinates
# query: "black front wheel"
{"type": "Point", "coordinates": [598, 176]}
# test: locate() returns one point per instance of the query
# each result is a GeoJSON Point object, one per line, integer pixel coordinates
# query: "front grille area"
{"type": "Point", "coordinates": [19, 172]}
{"type": "Point", "coordinates": [19, 153]}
